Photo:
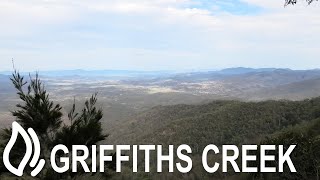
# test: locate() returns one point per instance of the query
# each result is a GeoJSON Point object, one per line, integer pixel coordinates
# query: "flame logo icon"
{"type": "Point", "coordinates": [17, 129]}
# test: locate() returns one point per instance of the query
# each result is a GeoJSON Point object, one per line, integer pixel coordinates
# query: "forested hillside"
{"type": "Point", "coordinates": [228, 122]}
{"type": "Point", "coordinates": [219, 122]}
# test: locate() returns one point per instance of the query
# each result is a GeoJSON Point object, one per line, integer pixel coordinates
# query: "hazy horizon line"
{"type": "Point", "coordinates": [160, 70]}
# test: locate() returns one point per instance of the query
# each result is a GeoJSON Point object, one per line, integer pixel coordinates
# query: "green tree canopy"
{"type": "Point", "coordinates": [36, 110]}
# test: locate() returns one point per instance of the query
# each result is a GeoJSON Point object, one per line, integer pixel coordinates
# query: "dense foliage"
{"type": "Point", "coordinates": [307, 153]}
{"type": "Point", "coordinates": [232, 122]}
{"type": "Point", "coordinates": [37, 111]}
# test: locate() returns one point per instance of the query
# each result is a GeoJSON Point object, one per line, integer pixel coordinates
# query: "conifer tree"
{"type": "Point", "coordinates": [39, 112]}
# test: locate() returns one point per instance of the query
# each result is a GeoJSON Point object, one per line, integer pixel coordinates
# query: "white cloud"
{"type": "Point", "coordinates": [154, 27]}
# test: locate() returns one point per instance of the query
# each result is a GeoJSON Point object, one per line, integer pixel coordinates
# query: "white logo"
{"type": "Point", "coordinates": [16, 128]}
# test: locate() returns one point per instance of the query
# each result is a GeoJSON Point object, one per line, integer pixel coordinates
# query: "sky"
{"type": "Point", "coordinates": [158, 34]}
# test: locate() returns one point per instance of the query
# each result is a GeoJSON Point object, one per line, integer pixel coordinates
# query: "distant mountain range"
{"type": "Point", "coordinates": [231, 83]}
{"type": "Point", "coordinates": [81, 72]}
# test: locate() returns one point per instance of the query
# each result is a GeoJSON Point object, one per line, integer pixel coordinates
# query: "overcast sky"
{"type": "Point", "coordinates": [158, 34]}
